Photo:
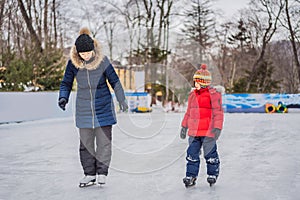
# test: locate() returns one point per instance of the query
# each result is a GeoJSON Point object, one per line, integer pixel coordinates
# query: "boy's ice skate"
{"type": "Point", "coordinates": [87, 181]}
{"type": "Point", "coordinates": [211, 179]}
{"type": "Point", "coordinates": [101, 179]}
{"type": "Point", "coordinates": [189, 181]}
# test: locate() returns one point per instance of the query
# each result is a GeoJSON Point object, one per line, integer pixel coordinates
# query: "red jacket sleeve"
{"type": "Point", "coordinates": [217, 110]}
{"type": "Point", "coordinates": [184, 122]}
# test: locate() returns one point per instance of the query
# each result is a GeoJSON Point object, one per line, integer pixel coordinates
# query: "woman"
{"type": "Point", "coordinates": [95, 112]}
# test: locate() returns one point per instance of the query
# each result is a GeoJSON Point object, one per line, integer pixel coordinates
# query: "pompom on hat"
{"type": "Point", "coordinates": [84, 42]}
{"type": "Point", "coordinates": [202, 76]}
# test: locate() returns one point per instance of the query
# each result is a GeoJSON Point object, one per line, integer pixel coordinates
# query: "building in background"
{"type": "Point", "coordinates": [132, 77]}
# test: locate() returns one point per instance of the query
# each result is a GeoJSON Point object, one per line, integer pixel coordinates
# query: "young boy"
{"type": "Point", "coordinates": [204, 121]}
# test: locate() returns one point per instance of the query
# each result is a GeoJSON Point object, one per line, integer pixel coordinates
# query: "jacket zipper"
{"type": "Point", "coordinates": [93, 113]}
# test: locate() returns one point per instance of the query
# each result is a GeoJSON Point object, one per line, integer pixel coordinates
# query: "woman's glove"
{"type": "Point", "coordinates": [217, 133]}
{"type": "Point", "coordinates": [183, 132]}
{"type": "Point", "coordinates": [62, 103]}
{"type": "Point", "coordinates": [123, 106]}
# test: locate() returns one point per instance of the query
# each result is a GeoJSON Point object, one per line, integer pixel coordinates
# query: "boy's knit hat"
{"type": "Point", "coordinates": [202, 76]}
{"type": "Point", "coordinates": [84, 42]}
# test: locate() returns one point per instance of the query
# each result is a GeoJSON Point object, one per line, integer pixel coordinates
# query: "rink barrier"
{"type": "Point", "coordinates": [15, 106]}
{"type": "Point", "coordinates": [258, 103]}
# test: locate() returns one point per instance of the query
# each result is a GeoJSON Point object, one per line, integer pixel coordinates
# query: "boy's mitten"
{"type": "Point", "coordinates": [217, 132]}
{"type": "Point", "coordinates": [62, 103]}
{"type": "Point", "coordinates": [183, 132]}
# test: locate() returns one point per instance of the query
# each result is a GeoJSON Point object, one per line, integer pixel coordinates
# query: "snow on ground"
{"type": "Point", "coordinates": [259, 159]}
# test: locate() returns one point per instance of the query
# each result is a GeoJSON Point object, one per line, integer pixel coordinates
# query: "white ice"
{"type": "Point", "coordinates": [259, 159]}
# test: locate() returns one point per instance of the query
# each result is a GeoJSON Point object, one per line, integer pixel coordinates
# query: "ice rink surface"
{"type": "Point", "coordinates": [260, 159]}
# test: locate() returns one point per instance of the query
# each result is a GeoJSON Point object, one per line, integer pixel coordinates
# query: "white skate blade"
{"type": "Point", "coordinates": [82, 185]}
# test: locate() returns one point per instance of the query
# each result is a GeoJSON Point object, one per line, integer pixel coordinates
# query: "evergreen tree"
{"type": "Point", "coordinates": [51, 69]}
{"type": "Point", "coordinates": [262, 81]}
{"type": "Point", "coordinates": [199, 26]}
{"type": "Point", "coordinates": [36, 69]}
{"type": "Point", "coordinates": [17, 73]}
{"type": "Point", "coordinates": [241, 38]}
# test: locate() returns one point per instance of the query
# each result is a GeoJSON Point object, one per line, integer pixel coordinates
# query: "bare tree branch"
{"type": "Point", "coordinates": [33, 34]}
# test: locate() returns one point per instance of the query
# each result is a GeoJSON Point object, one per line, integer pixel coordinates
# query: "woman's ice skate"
{"type": "Point", "coordinates": [87, 181]}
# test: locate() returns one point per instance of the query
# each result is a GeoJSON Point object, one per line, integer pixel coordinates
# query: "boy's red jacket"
{"type": "Point", "coordinates": [204, 112]}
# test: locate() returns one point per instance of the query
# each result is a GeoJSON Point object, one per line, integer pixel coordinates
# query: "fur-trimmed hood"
{"type": "Point", "coordinates": [213, 89]}
{"type": "Point", "coordinates": [220, 89]}
{"type": "Point", "coordinates": [94, 64]}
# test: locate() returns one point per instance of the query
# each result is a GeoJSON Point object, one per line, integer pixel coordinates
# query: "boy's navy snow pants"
{"type": "Point", "coordinates": [210, 154]}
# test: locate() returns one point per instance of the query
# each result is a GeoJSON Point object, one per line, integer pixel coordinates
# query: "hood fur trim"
{"type": "Point", "coordinates": [220, 89]}
{"type": "Point", "coordinates": [85, 30]}
{"type": "Point", "coordinates": [80, 64]}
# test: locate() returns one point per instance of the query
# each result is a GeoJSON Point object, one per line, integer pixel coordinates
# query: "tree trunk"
{"type": "Point", "coordinates": [293, 41]}
{"type": "Point", "coordinates": [272, 27]}
{"type": "Point", "coordinates": [2, 5]}
{"type": "Point", "coordinates": [30, 27]}
{"type": "Point", "coordinates": [46, 24]}
{"type": "Point", "coordinates": [54, 22]}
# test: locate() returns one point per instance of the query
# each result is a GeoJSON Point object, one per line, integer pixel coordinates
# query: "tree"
{"type": "Point", "coordinates": [241, 50]}
{"type": "Point", "coordinates": [264, 83]}
{"type": "Point", "coordinates": [282, 57]}
{"type": "Point", "coordinates": [241, 38]}
{"type": "Point", "coordinates": [199, 26]}
{"type": "Point", "coordinates": [271, 10]}
{"type": "Point", "coordinates": [28, 22]}
{"type": "Point", "coordinates": [292, 31]}
{"type": "Point", "coordinates": [30, 55]}
{"type": "Point", "coordinates": [154, 22]}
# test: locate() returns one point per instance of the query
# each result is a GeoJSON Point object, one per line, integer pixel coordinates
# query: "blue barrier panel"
{"type": "Point", "coordinates": [256, 102]}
